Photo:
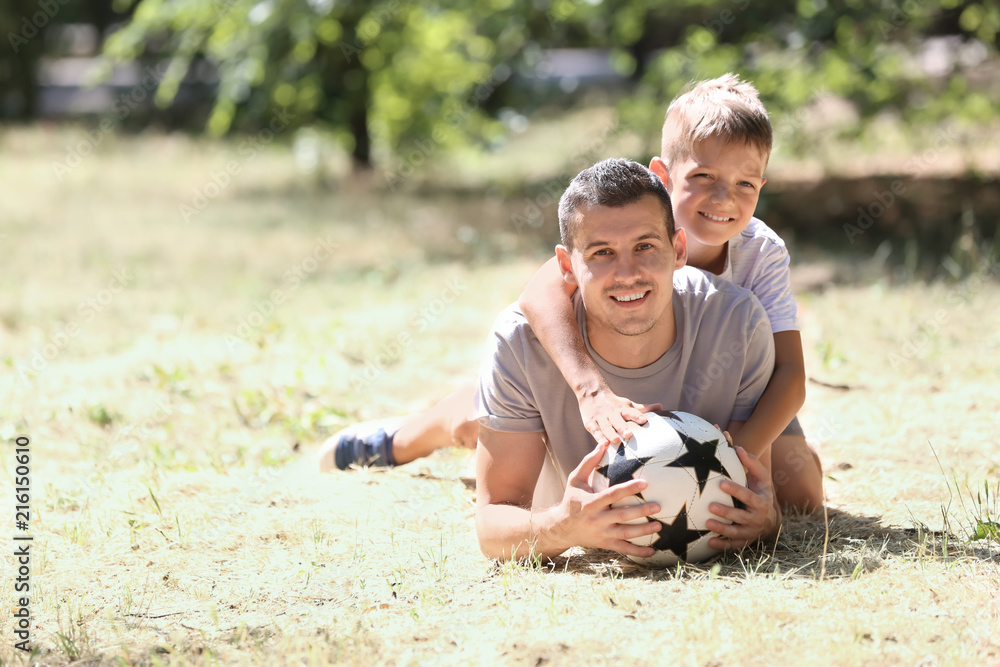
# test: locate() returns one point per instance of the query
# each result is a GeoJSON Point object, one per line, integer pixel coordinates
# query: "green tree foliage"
{"type": "Point", "coordinates": [393, 75]}
{"type": "Point", "coordinates": [388, 73]}
{"type": "Point", "coordinates": [877, 55]}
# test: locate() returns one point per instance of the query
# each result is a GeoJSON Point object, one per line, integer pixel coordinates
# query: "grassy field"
{"type": "Point", "coordinates": [176, 369]}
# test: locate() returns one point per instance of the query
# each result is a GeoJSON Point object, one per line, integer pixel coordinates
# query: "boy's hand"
{"type": "Point", "coordinates": [759, 519]}
{"type": "Point", "coordinates": [586, 518]}
{"type": "Point", "coordinates": [607, 416]}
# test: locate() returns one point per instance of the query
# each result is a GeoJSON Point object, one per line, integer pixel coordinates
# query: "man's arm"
{"type": "Point", "coordinates": [507, 467]}
{"type": "Point", "coordinates": [781, 401]}
{"type": "Point", "coordinates": [547, 305]}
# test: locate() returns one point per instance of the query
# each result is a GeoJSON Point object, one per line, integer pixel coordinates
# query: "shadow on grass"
{"type": "Point", "coordinates": [846, 546]}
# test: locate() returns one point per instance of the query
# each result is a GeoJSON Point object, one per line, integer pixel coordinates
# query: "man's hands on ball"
{"type": "Point", "coordinates": [759, 518]}
{"type": "Point", "coordinates": [587, 518]}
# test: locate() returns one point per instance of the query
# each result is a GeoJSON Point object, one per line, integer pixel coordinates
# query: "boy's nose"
{"type": "Point", "coordinates": [721, 192]}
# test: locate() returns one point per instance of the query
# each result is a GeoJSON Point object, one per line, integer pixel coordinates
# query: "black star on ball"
{"type": "Point", "coordinates": [677, 536]}
{"type": "Point", "coordinates": [622, 467]}
{"type": "Point", "coordinates": [702, 456]}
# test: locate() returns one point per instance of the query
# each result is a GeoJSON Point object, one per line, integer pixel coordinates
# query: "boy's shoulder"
{"type": "Point", "coordinates": [712, 301]}
{"type": "Point", "coordinates": [757, 235]}
{"type": "Point", "coordinates": [695, 283]}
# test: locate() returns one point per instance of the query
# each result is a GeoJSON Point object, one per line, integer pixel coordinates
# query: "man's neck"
{"type": "Point", "coordinates": [633, 351]}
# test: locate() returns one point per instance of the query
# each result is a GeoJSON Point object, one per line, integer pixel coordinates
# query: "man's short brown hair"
{"type": "Point", "coordinates": [614, 183]}
{"type": "Point", "coordinates": [726, 108]}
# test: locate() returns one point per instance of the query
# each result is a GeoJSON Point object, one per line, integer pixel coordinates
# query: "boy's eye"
{"type": "Point", "coordinates": [747, 184]}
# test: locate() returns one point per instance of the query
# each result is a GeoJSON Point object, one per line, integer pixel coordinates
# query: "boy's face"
{"type": "Point", "coordinates": [623, 263]}
{"type": "Point", "coordinates": [715, 189]}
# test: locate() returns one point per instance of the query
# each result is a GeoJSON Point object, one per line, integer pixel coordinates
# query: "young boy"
{"type": "Point", "coordinates": [715, 145]}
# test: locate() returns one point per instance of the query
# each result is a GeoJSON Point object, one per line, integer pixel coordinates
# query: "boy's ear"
{"type": "Point", "coordinates": [680, 248]}
{"type": "Point", "coordinates": [659, 167]}
{"type": "Point", "coordinates": [565, 264]}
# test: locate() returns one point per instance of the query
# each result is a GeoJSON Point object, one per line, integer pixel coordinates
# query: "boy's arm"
{"type": "Point", "coordinates": [547, 304]}
{"type": "Point", "coordinates": [507, 468]}
{"type": "Point", "coordinates": [781, 400]}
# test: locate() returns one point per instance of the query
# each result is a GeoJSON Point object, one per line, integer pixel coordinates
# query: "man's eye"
{"type": "Point", "coordinates": [644, 246]}
{"type": "Point", "coordinates": [602, 252]}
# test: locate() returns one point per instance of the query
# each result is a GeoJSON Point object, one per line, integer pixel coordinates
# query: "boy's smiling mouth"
{"type": "Point", "coordinates": [716, 218]}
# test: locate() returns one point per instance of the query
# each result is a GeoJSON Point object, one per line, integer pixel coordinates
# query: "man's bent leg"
{"type": "Point", "coordinates": [797, 474]}
{"type": "Point", "coordinates": [449, 423]}
{"type": "Point", "coordinates": [389, 442]}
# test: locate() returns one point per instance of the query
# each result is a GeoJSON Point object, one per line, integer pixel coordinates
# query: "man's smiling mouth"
{"type": "Point", "coordinates": [630, 297]}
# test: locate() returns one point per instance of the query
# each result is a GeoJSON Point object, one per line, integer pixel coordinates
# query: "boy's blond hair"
{"type": "Point", "coordinates": [724, 107]}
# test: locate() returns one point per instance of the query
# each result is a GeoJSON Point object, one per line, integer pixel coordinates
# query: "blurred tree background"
{"type": "Point", "coordinates": [380, 81]}
{"type": "Point", "coordinates": [382, 76]}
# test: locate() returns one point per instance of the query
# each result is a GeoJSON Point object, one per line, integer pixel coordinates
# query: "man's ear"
{"type": "Point", "coordinates": [680, 248]}
{"type": "Point", "coordinates": [565, 264]}
{"type": "Point", "coordinates": [659, 167]}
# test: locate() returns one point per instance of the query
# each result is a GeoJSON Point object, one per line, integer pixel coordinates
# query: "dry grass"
{"type": "Point", "coordinates": [178, 519]}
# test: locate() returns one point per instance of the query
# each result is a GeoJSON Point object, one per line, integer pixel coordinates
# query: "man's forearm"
{"type": "Point", "coordinates": [509, 531]}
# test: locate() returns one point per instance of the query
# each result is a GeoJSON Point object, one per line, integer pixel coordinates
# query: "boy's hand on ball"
{"type": "Point", "coordinates": [758, 518]}
{"type": "Point", "coordinates": [588, 520]}
{"type": "Point", "coordinates": [608, 417]}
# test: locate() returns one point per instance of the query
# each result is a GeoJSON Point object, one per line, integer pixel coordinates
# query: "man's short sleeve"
{"type": "Point", "coordinates": [757, 365]}
{"type": "Point", "coordinates": [504, 400]}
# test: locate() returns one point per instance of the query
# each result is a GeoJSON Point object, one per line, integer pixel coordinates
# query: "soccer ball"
{"type": "Point", "coordinates": [684, 459]}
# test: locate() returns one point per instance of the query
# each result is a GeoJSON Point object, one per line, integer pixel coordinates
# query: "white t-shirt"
{"type": "Point", "coordinates": [757, 260]}
{"type": "Point", "coordinates": [717, 368]}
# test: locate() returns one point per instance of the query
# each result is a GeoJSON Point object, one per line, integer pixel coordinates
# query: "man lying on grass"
{"type": "Point", "coordinates": [654, 328]}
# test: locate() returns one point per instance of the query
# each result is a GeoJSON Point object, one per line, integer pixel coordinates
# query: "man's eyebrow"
{"type": "Point", "coordinates": [595, 244]}
{"type": "Point", "coordinates": [642, 237]}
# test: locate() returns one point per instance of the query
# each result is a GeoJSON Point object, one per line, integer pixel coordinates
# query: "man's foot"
{"type": "Point", "coordinates": [367, 444]}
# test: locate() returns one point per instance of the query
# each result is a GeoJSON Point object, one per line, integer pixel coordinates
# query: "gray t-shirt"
{"type": "Point", "coordinates": [717, 368]}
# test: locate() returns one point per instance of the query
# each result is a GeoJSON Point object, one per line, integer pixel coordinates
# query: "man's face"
{"type": "Point", "coordinates": [714, 191]}
{"type": "Point", "coordinates": [623, 263]}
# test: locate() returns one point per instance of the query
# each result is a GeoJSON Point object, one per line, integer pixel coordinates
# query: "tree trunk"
{"type": "Point", "coordinates": [359, 130]}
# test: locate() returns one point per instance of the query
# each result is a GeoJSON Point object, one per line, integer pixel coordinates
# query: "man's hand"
{"type": "Point", "coordinates": [761, 516]}
{"type": "Point", "coordinates": [607, 415]}
{"type": "Point", "coordinates": [586, 519]}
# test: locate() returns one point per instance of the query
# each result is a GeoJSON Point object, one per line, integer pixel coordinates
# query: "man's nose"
{"type": "Point", "coordinates": [626, 266]}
